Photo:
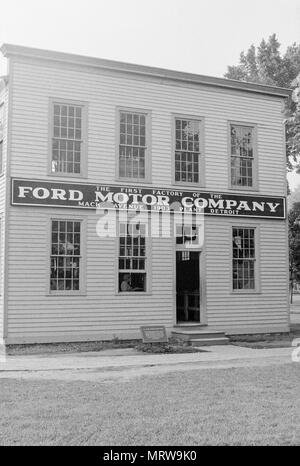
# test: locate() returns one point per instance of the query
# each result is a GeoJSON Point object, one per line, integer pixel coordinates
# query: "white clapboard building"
{"type": "Point", "coordinates": [133, 196]}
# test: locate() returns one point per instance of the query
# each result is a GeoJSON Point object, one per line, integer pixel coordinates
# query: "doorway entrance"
{"type": "Point", "coordinates": [187, 287]}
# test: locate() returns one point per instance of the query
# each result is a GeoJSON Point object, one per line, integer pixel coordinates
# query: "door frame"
{"type": "Point", "coordinates": [197, 256]}
{"type": "Point", "coordinates": [202, 282]}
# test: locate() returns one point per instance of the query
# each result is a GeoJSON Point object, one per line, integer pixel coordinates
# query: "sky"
{"type": "Point", "coordinates": [197, 36]}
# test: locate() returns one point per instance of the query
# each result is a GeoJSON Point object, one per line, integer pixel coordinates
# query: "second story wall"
{"type": "Point", "coordinates": [103, 92]}
{"type": "Point", "coordinates": [3, 169]}
{"type": "Point", "coordinates": [3, 140]}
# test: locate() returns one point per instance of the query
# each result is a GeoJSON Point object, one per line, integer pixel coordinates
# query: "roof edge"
{"type": "Point", "coordinates": [9, 50]}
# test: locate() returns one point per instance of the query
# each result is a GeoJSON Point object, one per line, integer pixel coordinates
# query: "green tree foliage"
{"type": "Point", "coordinates": [266, 65]}
{"type": "Point", "coordinates": [294, 241]}
{"type": "Point", "coordinates": [293, 129]}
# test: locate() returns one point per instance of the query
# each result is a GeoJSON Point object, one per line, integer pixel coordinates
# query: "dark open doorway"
{"type": "Point", "coordinates": [187, 287]}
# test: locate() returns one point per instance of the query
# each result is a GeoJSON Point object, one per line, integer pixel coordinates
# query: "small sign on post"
{"type": "Point", "coordinates": [154, 334]}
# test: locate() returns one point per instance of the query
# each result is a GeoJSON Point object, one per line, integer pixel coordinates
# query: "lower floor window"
{"type": "Point", "coordinates": [132, 257]}
{"type": "Point", "coordinates": [243, 260]}
{"type": "Point", "coordinates": [65, 255]}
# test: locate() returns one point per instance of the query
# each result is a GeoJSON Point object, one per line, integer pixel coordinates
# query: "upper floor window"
{"type": "Point", "coordinates": [133, 150]}
{"type": "Point", "coordinates": [67, 138]}
{"type": "Point", "coordinates": [187, 150]}
{"type": "Point", "coordinates": [242, 155]}
{"type": "Point", "coordinates": [1, 135]}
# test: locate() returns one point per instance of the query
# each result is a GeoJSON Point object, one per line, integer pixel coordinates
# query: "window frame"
{"type": "Point", "coordinates": [148, 150]}
{"type": "Point", "coordinates": [201, 163]}
{"type": "Point", "coordinates": [148, 263]}
{"type": "Point", "coordinates": [255, 180]}
{"type": "Point", "coordinates": [84, 144]}
{"type": "Point", "coordinates": [82, 262]}
{"type": "Point", "coordinates": [257, 278]}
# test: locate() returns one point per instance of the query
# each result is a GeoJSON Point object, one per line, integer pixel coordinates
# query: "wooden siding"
{"type": "Point", "coordinates": [34, 315]}
{"type": "Point", "coordinates": [4, 100]}
{"type": "Point", "coordinates": [98, 313]}
{"type": "Point", "coordinates": [254, 311]}
{"type": "Point", "coordinates": [35, 84]}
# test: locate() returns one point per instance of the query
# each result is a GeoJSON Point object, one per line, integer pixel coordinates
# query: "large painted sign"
{"type": "Point", "coordinates": [90, 196]}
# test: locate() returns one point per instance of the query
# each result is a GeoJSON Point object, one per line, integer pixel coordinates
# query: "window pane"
{"type": "Point", "coordinates": [132, 145]}
{"type": "Point", "coordinates": [241, 155]}
{"type": "Point", "coordinates": [67, 134]}
{"type": "Point", "coordinates": [241, 171]}
{"type": "Point", "coordinates": [187, 137]}
{"type": "Point", "coordinates": [65, 255]}
{"type": "Point", "coordinates": [132, 260]}
{"type": "Point", "coordinates": [243, 260]}
{"type": "Point", "coordinates": [132, 282]}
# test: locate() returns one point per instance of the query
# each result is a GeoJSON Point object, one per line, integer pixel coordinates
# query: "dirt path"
{"type": "Point", "coordinates": [109, 369]}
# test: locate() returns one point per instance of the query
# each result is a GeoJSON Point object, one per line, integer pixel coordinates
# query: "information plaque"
{"type": "Point", "coordinates": [154, 334]}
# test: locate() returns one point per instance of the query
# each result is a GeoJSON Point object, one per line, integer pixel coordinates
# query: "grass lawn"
{"type": "Point", "coordinates": [219, 406]}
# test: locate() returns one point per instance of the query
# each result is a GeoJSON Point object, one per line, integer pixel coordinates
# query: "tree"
{"type": "Point", "coordinates": [266, 65]}
{"type": "Point", "coordinates": [293, 128]}
{"type": "Point", "coordinates": [293, 197]}
{"type": "Point", "coordinates": [294, 243]}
